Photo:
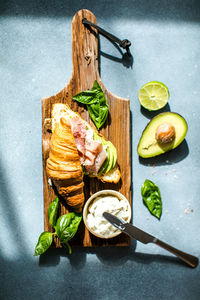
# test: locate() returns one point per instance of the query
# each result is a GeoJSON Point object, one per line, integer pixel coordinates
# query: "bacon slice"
{"type": "Point", "coordinates": [79, 133]}
{"type": "Point", "coordinates": [100, 160]}
{"type": "Point", "coordinates": [91, 152]}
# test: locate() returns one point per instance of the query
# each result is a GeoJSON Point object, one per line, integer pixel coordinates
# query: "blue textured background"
{"type": "Point", "coordinates": [35, 62]}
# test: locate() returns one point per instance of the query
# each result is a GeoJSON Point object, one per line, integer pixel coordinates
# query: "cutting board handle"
{"type": "Point", "coordinates": [84, 51]}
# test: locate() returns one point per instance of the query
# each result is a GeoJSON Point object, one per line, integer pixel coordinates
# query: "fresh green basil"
{"type": "Point", "coordinates": [67, 226]}
{"type": "Point", "coordinates": [85, 97]}
{"type": "Point", "coordinates": [96, 102]}
{"type": "Point", "coordinates": [53, 211]}
{"type": "Point", "coordinates": [44, 242]}
{"type": "Point", "coordinates": [152, 198]}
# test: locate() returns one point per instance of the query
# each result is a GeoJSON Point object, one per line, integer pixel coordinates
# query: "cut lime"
{"type": "Point", "coordinates": [153, 95]}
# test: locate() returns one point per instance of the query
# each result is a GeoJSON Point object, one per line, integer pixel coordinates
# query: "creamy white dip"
{"type": "Point", "coordinates": [111, 204]}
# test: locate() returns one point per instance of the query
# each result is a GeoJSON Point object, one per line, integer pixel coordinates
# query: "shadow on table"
{"type": "Point", "coordinates": [151, 114]}
{"type": "Point", "coordinates": [129, 10]}
{"type": "Point", "coordinates": [126, 59]}
{"type": "Point", "coordinates": [9, 212]}
{"type": "Point", "coordinates": [112, 256]}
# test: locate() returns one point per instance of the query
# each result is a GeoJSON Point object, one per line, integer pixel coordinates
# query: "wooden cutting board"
{"type": "Point", "coordinates": [116, 129]}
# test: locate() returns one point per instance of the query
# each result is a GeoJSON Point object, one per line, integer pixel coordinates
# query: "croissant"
{"type": "Point", "coordinates": [97, 156]}
{"type": "Point", "coordinates": [64, 167]}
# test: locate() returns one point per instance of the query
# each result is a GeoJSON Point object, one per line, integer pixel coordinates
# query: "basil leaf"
{"type": "Point", "coordinates": [102, 110]}
{"type": "Point", "coordinates": [53, 211]}
{"type": "Point", "coordinates": [94, 114]}
{"type": "Point", "coordinates": [95, 86]}
{"type": "Point", "coordinates": [44, 242]}
{"type": "Point", "coordinates": [67, 226]}
{"type": "Point", "coordinates": [96, 102]}
{"type": "Point", "coordinates": [85, 97]}
{"type": "Point", "coordinates": [152, 198]}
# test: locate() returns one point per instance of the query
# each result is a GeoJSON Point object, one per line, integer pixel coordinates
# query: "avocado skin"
{"type": "Point", "coordinates": [181, 131]}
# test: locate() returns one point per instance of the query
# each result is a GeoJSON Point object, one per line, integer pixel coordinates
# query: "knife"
{"type": "Point", "coordinates": [146, 238]}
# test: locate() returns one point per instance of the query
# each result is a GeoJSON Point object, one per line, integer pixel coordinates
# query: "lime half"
{"type": "Point", "coordinates": [153, 95]}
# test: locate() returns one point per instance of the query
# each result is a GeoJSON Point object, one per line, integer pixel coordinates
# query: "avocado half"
{"type": "Point", "coordinates": [149, 146]}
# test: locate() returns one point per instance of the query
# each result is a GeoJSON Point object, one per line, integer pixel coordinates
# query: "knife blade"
{"type": "Point", "coordinates": [146, 238]}
{"type": "Point", "coordinates": [129, 229]}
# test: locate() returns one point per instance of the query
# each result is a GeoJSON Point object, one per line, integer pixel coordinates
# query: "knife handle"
{"type": "Point", "coordinates": [191, 260]}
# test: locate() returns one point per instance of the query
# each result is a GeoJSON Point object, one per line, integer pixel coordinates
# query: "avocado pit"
{"type": "Point", "coordinates": [165, 133]}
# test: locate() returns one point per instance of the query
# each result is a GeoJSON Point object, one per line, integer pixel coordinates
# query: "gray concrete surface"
{"type": "Point", "coordinates": [35, 62]}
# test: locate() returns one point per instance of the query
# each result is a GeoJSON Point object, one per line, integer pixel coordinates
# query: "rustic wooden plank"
{"type": "Point", "coordinates": [116, 128]}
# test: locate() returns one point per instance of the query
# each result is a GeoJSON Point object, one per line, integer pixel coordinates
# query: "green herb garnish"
{"type": "Point", "coordinates": [96, 102]}
{"type": "Point", "coordinates": [44, 242]}
{"type": "Point", "coordinates": [53, 211]}
{"type": "Point", "coordinates": [152, 198]}
{"type": "Point", "coordinates": [65, 228]}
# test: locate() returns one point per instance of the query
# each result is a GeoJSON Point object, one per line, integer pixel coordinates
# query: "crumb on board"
{"type": "Point", "coordinates": [175, 176]}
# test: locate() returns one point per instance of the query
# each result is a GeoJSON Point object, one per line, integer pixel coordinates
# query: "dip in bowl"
{"type": "Point", "coordinates": [110, 201]}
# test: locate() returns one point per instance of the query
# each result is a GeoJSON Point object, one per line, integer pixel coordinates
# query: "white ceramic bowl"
{"type": "Point", "coordinates": [92, 198]}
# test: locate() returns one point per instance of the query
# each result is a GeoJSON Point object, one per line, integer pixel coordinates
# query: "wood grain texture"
{"type": "Point", "coordinates": [116, 128]}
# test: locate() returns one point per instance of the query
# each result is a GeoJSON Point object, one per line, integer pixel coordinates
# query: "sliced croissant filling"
{"type": "Point", "coordinates": [92, 153]}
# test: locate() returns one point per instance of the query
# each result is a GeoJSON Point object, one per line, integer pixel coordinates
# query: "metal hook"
{"type": "Point", "coordinates": [125, 44]}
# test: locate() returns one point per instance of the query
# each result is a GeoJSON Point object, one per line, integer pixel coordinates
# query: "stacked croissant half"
{"type": "Point", "coordinates": [64, 167]}
{"type": "Point", "coordinates": [75, 146]}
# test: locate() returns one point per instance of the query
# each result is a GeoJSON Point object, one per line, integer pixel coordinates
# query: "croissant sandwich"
{"type": "Point", "coordinates": [64, 166]}
{"type": "Point", "coordinates": [98, 157]}
{"type": "Point", "coordinates": [77, 149]}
